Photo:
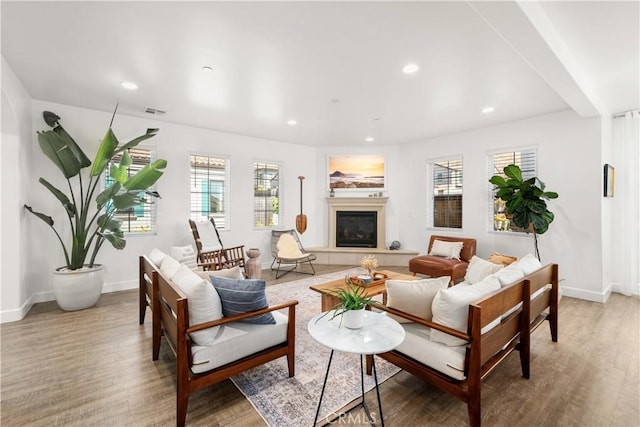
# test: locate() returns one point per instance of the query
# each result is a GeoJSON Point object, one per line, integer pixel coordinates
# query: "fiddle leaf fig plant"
{"type": "Point", "coordinates": [525, 201]}
{"type": "Point", "coordinates": [90, 211]}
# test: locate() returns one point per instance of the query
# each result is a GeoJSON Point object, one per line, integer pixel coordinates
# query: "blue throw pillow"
{"type": "Point", "coordinates": [243, 295]}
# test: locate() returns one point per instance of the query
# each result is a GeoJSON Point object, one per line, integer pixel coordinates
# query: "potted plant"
{"type": "Point", "coordinates": [89, 208]}
{"type": "Point", "coordinates": [353, 302]}
{"type": "Point", "coordinates": [525, 201]}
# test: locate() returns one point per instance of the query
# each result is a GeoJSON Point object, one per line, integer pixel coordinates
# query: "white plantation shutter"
{"type": "Point", "coordinates": [526, 159]}
{"type": "Point", "coordinates": [209, 188]}
{"type": "Point", "coordinates": [444, 193]}
{"type": "Point", "coordinates": [266, 195]}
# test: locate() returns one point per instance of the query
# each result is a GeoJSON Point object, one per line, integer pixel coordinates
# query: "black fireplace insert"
{"type": "Point", "coordinates": [356, 229]}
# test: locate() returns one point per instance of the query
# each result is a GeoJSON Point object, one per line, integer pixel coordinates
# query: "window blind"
{"type": "Point", "coordinates": [444, 193]}
{"type": "Point", "coordinates": [209, 188]}
{"type": "Point", "coordinates": [266, 195]}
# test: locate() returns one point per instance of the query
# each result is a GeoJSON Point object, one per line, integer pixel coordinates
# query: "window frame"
{"type": "Point", "coordinates": [225, 225]}
{"type": "Point", "coordinates": [153, 208]}
{"type": "Point", "coordinates": [492, 210]}
{"type": "Point", "coordinates": [267, 163]}
{"type": "Point", "coordinates": [431, 189]}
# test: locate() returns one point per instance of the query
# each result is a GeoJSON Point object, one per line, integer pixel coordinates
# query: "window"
{"type": "Point", "coordinates": [138, 219]}
{"type": "Point", "coordinates": [266, 193]}
{"type": "Point", "coordinates": [209, 189]}
{"type": "Point", "coordinates": [444, 197]}
{"type": "Point", "coordinates": [526, 160]}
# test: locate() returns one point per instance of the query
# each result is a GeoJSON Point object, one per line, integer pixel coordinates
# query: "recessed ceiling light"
{"type": "Point", "coordinates": [207, 68]}
{"type": "Point", "coordinates": [369, 139]}
{"type": "Point", "coordinates": [410, 68]}
{"type": "Point", "coordinates": [292, 122]}
{"type": "Point", "coordinates": [129, 85]}
{"type": "Point", "coordinates": [488, 109]}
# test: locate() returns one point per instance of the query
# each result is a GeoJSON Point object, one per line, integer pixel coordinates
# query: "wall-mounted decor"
{"type": "Point", "coordinates": [356, 172]}
{"type": "Point", "coordinates": [609, 175]}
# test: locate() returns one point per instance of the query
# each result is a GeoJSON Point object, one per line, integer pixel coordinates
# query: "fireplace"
{"type": "Point", "coordinates": [354, 207]}
{"type": "Point", "coordinates": [356, 229]}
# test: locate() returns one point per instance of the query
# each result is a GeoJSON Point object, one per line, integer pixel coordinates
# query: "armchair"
{"type": "Point", "coordinates": [437, 266]}
{"type": "Point", "coordinates": [287, 249]}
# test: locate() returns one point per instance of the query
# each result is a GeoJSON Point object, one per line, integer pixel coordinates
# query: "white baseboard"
{"type": "Point", "coordinates": [600, 297]}
{"type": "Point", "coordinates": [16, 314]}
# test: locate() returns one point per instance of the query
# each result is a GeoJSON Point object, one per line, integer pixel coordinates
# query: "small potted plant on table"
{"type": "Point", "coordinates": [353, 302]}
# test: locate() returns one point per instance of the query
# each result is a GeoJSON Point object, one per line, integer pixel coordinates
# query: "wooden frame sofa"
{"type": "Point", "coordinates": [170, 312]}
{"type": "Point", "coordinates": [438, 266]}
{"type": "Point", "coordinates": [498, 323]}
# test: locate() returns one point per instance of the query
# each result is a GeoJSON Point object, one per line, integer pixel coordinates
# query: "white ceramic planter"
{"type": "Point", "coordinates": [353, 319]}
{"type": "Point", "coordinates": [78, 289]}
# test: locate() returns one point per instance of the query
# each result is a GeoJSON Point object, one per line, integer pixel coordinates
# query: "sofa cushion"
{"type": "Point", "coordinates": [449, 250]}
{"type": "Point", "coordinates": [414, 296]}
{"type": "Point", "coordinates": [497, 258]}
{"type": "Point", "coordinates": [528, 264]}
{"type": "Point", "coordinates": [236, 340]}
{"type": "Point", "coordinates": [204, 303]}
{"type": "Point", "coordinates": [241, 296]}
{"type": "Point", "coordinates": [451, 308]}
{"type": "Point", "coordinates": [156, 256]}
{"type": "Point", "coordinates": [169, 267]}
{"type": "Point", "coordinates": [418, 345]}
{"type": "Point", "coordinates": [510, 274]}
{"type": "Point", "coordinates": [232, 273]}
{"type": "Point", "coordinates": [185, 255]}
{"type": "Point", "coordinates": [479, 269]}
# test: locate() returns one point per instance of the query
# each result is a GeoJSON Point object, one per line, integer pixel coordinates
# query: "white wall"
{"type": "Point", "coordinates": [15, 154]}
{"type": "Point", "coordinates": [174, 143]}
{"type": "Point", "coordinates": [569, 162]}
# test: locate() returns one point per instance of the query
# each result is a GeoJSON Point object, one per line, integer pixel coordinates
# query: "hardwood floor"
{"type": "Point", "coordinates": [94, 367]}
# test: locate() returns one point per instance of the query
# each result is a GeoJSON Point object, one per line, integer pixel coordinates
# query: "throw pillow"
{"type": "Point", "coordinates": [185, 255]}
{"type": "Point", "coordinates": [233, 273]}
{"type": "Point", "coordinates": [414, 296]}
{"type": "Point", "coordinates": [203, 301]}
{"type": "Point", "coordinates": [241, 296]}
{"type": "Point", "coordinates": [528, 264]}
{"type": "Point", "coordinates": [169, 267]}
{"type": "Point", "coordinates": [451, 308]}
{"type": "Point", "coordinates": [156, 256]}
{"type": "Point", "coordinates": [497, 258]}
{"type": "Point", "coordinates": [479, 269]}
{"type": "Point", "coordinates": [446, 249]}
{"type": "Point", "coordinates": [288, 247]}
{"type": "Point", "coordinates": [510, 274]}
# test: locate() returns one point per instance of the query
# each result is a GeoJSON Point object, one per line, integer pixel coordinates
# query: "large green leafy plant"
{"type": "Point", "coordinates": [525, 201]}
{"type": "Point", "coordinates": [90, 211]}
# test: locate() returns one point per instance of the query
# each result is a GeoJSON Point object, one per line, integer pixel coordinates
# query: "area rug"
{"type": "Point", "coordinates": [284, 401]}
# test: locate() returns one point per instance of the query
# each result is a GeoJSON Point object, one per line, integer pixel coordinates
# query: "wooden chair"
{"type": "Point", "coordinates": [295, 256]}
{"type": "Point", "coordinates": [212, 255]}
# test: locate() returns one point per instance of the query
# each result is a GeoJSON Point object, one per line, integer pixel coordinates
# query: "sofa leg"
{"type": "Point", "coordinates": [369, 363]}
{"type": "Point", "coordinates": [473, 406]}
{"type": "Point", "coordinates": [291, 363]}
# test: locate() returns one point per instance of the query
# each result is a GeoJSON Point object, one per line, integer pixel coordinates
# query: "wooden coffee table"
{"type": "Point", "coordinates": [329, 300]}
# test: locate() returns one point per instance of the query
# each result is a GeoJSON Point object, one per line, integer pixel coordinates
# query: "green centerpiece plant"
{"type": "Point", "coordinates": [90, 208]}
{"type": "Point", "coordinates": [352, 298]}
{"type": "Point", "coordinates": [525, 201]}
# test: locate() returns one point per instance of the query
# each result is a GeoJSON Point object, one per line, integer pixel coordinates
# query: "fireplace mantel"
{"type": "Point", "coordinates": [376, 204]}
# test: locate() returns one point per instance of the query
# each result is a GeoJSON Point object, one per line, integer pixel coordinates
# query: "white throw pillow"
{"type": "Point", "coordinates": [156, 256]}
{"type": "Point", "coordinates": [204, 303]}
{"type": "Point", "coordinates": [232, 273]}
{"type": "Point", "coordinates": [414, 296]}
{"type": "Point", "coordinates": [185, 255]}
{"type": "Point", "coordinates": [510, 274]}
{"type": "Point", "coordinates": [288, 247]}
{"type": "Point", "coordinates": [451, 308]}
{"type": "Point", "coordinates": [446, 249]}
{"type": "Point", "coordinates": [169, 266]}
{"type": "Point", "coordinates": [479, 269]}
{"type": "Point", "coordinates": [528, 264]}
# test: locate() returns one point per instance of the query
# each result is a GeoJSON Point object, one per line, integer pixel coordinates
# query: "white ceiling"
{"type": "Point", "coordinates": [335, 67]}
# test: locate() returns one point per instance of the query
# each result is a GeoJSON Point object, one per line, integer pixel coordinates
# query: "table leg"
{"type": "Point", "coordinates": [375, 376]}
{"type": "Point", "coordinates": [324, 384]}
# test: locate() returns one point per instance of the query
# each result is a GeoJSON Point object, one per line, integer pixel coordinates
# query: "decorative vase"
{"type": "Point", "coordinates": [353, 319]}
{"type": "Point", "coordinates": [254, 268]}
{"type": "Point", "coordinates": [78, 289]}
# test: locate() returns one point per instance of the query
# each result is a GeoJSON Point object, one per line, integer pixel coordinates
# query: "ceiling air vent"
{"type": "Point", "coordinates": [154, 111]}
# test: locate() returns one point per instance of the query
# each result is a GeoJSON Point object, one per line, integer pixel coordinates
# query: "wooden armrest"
{"type": "Point", "coordinates": [241, 316]}
{"type": "Point", "coordinates": [427, 323]}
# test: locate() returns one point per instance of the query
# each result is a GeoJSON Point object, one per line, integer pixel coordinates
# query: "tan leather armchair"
{"type": "Point", "coordinates": [437, 266]}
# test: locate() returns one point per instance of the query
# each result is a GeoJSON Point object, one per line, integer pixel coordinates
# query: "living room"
{"type": "Point", "coordinates": [573, 137]}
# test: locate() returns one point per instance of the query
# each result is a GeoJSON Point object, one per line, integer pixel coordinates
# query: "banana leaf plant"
{"type": "Point", "coordinates": [90, 209]}
{"type": "Point", "coordinates": [525, 201]}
